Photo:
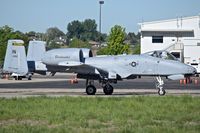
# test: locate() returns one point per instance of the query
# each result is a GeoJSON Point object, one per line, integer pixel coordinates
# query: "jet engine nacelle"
{"type": "Point", "coordinates": [87, 52]}
{"type": "Point", "coordinates": [56, 56]}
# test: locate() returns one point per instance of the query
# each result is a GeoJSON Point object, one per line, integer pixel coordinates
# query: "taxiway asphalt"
{"type": "Point", "coordinates": [60, 86]}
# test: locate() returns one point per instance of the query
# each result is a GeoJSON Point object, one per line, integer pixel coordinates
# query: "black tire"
{"type": "Point", "coordinates": [161, 92]}
{"type": "Point", "coordinates": [91, 90]}
{"type": "Point", "coordinates": [108, 89]}
{"type": "Point", "coordinates": [29, 78]}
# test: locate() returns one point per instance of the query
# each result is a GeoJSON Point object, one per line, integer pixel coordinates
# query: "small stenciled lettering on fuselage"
{"type": "Point", "coordinates": [62, 56]}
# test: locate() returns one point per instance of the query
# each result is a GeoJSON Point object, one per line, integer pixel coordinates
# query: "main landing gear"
{"type": "Point", "coordinates": [108, 89]}
{"type": "Point", "coordinates": [18, 78]}
{"type": "Point", "coordinates": [159, 86]}
{"type": "Point", "coordinates": [91, 89]}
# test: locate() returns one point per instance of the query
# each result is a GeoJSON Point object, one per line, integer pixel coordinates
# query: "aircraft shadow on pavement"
{"type": "Point", "coordinates": [81, 85]}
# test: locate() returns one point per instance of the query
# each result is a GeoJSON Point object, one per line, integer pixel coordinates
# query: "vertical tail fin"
{"type": "Point", "coordinates": [15, 59]}
{"type": "Point", "coordinates": [36, 50]}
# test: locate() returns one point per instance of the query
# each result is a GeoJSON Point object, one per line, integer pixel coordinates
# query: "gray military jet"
{"type": "Point", "coordinates": [105, 69]}
{"type": "Point", "coordinates": [110, 69]}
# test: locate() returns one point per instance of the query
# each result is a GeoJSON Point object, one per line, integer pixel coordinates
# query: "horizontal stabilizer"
{"type": "Point", "coordinates": [176, 77]}
{"type": "Point", "coordinates": [70, 63]}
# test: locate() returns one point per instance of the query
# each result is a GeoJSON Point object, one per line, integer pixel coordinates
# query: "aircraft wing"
{"type": "Point", "coordinates": [105, 71]}
{"type": "Point", "coordinates": [113, 71]}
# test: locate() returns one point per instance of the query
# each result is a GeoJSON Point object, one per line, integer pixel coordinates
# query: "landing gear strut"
{"type": "Point", "coordinates": [159, 86]}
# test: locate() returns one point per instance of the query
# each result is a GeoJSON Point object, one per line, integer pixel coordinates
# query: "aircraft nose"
{"type": "Point", "coordinates": [192, 70]}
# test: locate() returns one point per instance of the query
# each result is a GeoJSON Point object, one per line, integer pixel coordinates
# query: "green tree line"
{"type": "Point", "coordinates": [79, 34]}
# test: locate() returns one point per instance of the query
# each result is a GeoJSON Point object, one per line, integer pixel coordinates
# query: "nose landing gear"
{"type": "Point", "coordinates": [159, 86]}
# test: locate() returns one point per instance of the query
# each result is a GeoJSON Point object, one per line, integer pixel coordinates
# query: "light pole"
{"type": "Point", "coordinates": [100, 3]}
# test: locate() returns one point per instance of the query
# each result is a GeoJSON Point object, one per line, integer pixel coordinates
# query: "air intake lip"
{"type": "Point", "coordinates": [90, 53]}
{"type": "Point", "coordinates": [81, 57]}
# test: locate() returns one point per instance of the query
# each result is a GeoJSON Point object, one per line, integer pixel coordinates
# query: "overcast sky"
{"type": "Point", "coordinates": [38, 15]}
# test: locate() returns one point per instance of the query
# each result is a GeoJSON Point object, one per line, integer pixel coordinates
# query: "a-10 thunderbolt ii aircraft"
{"type": "Point", "coordinates": [108, 69]}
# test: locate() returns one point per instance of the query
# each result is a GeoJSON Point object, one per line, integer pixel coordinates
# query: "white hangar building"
{"type": "Point", "coordinates": [180, 36]}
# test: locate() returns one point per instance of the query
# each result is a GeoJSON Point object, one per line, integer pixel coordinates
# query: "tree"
{"type": "Point", "coordinates": [89, 30]}
{"type": "Point", "coordinates": [52, 33]}
{"type": "Point", "coordinates": [89, 25]}
{"type": "Point", "coordinates": [53, 45]}
{"type": "Point", "coordinates": [7, 33]}
{"type": "Point", "coordinates": [20, 35]}
{"type": "Point", "coordinates": [86, 30]}
{"type": "Point", "coordinates": [116, 43]}
{"type": "Point", "coordinates": [77, 43]}
{"type": "Point", "coordinates": [136, 49]}
{"type": "Point", "coordinates": [132, 38]}
{"type": "Point", "coordinates": [75, 28]}
{"type": "Point", "coordinates": [102, 51]}
{"type": "Point", "coordinates": [31, 34]}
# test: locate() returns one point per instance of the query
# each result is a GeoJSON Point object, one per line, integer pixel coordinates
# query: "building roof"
{"type": "Point", "coordinates": [167, 20]}
{"type": "Point", "coordinates": [166, 30]}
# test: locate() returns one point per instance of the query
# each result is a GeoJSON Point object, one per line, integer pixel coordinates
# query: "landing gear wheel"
{"type": "Point", "coordinates": [108, 89]}
{"type": "Point", "coordinates": [161, 92]}
{"type": "Point", "coordinates": [91, 90]}
{"type": "Point", "coordinates": [18, 78]}
{"type": "Point", "coordinates": [29, 78]}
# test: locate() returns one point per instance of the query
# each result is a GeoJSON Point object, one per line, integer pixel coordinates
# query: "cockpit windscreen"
{"type": "Point", "coordinates": [162, 54]}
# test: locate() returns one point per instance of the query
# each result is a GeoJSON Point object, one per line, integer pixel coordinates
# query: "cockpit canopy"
{"type": "Point", "coordinates": [161, 54]}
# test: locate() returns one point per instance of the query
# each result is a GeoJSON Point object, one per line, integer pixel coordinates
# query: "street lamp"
{"type": "Point", "coordinates": [100, 3]}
